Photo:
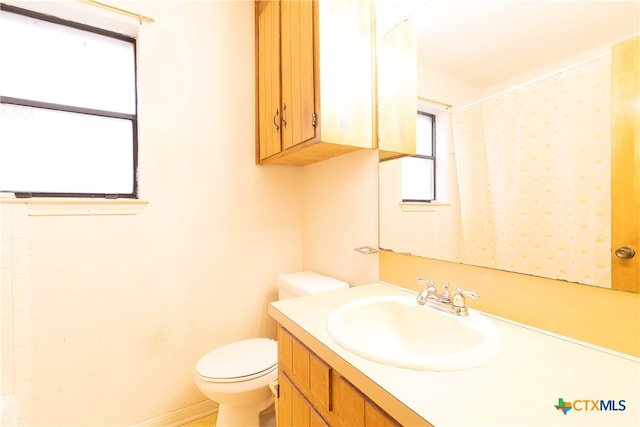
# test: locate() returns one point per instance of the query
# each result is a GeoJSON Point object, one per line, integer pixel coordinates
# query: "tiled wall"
{"type": "Point", "coordinates": [16, 337]}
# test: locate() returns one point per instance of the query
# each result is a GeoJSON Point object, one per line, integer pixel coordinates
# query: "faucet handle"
{"type": "Point", "coordinates": [459, 297]}
{"type": "Point", "coordinates": [430, 287]}
{"type": "Point", "coordinates": [446, 295]}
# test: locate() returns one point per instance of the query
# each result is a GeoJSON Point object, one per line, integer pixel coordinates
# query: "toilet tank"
{"type": "Point", "coordinates": [291, 285]}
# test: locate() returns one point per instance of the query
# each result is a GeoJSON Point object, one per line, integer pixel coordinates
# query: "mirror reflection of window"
{"type": "Point", "coordinates": [419, 171]}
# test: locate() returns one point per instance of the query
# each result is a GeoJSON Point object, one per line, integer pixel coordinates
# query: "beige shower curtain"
{"type": "Point", "coordinates": [534, 176]}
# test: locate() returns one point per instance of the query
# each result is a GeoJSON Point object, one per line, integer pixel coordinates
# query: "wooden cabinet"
{"type": "Point", "coordinates": [311, 393]}
{"type": "Point", "coordinates": [397, 57]}
{"type": "Point", "coordinates": [294, 409]}
{"type": "Point", "coordinates": [315, 79]}
{"type": "Point", "coordinates": [286, 76]}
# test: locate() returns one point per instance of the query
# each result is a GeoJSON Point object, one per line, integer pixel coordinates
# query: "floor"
{"type": "Point", "coordinates": [267, 419]}
{"type": "Point", "coordinates": [209, 421]}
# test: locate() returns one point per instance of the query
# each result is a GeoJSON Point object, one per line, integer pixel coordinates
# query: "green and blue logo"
{"type": "Point", "coordinates": [563, 406]}
{"type": "Point", "coordinates": [590, 405]}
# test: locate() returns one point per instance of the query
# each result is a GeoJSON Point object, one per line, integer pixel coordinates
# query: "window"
{"type": "Point", "coordinates": [68, 110]}
{"type": "Point", "coordinates": [419, 171]}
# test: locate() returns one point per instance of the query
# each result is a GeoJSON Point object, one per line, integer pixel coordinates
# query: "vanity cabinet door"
{"type": "Point", "coordinates": [376, 417]}
{"type": "Point", "coordinates": [308, 372]}
{"type": "Point", "coordinates": [355, 409]}
{"type": "Point", "coordinates": [312, 393]}
{"type": "Point", "coordinates": [319, 383]}
{"type": "Point", "coordinates": [300, 365]}
{"type": "Point", "coordinates": [284, 401]}
{"type": "Point", "coordinates": [316, 419]}
{"type": "Point", "coordinates": [294, 409]}
{"type": "Point", "coordinates": [285, 343]}
{"type": "Point", "coordinates": [300, 410]}
{"type": "Point", "coordinates": [349, 404]}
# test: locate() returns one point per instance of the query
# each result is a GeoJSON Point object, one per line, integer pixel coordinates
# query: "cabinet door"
{"type": "Point", "coordinates": [294, 409]}
{"type": "Point", "coordinates": [298, 72]}
{"type": "Point", "coordinates": [301, 411]}
{"type": "Point", "coordinates": [316, 419]}
{"type": "Point", "coordinates": [285, 350]}
{"type": "Point", "coordinates": [346, 65]}
{"type": "Point", "coordinates": [349, 404]}
{"type": "Point", "coordinates": [269, 113]}
{"type": "Point", "coordinates": [376, 417]}
{"type": "Point", "coordinates": [319, 383]}
{"type": "Point", "coordinates": [299, 365]}
{"type": "Point", "coordinates": [284, 401]}
{"type": "Point", "coordinates": [312, 393]}
{"type": "Point", "coordinates": [397, 91]}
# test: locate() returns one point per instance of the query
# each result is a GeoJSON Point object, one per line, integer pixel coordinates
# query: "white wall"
{"type": "Point", "coordinates": [121, 307]}
{"type": "Point", "coordinates": [436, 86]}
{"type": "Point", "coordinates": [340, 214]}
{"type": "Point", "coordinates": [105, 316]}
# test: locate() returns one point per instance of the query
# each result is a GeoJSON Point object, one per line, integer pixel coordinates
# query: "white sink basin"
{"type": "Point", "coordinates": [396, 331]}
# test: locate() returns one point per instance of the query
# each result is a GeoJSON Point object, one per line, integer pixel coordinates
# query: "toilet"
{"type": "Point", "coordinates": [237, 375]}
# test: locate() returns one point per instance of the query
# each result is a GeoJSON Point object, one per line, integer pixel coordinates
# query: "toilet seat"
{"type": "Point", "coordinates": [239, 361]}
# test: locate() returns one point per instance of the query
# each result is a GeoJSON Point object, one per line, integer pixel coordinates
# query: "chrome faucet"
{"type": "Point", "coordinates": [444, 302]}
{"type": "Point", "coordinates": [429, 291]}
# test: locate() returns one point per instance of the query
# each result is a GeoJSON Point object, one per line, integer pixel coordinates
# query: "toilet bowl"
{"type": "Point", "coordinates": [237, 375]}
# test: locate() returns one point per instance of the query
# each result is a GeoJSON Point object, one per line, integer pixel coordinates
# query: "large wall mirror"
{"type": "Point", "coordinates": [521, 96]}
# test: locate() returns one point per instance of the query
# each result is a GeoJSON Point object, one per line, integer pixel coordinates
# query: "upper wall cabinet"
{"type": "Point", "coordinates": [397, 57]}
{"type": "Point", "coordinates": [315, 78]}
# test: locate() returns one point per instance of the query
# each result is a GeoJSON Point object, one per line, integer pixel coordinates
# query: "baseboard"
{"type": "Point", "coordinates": [182, 416]}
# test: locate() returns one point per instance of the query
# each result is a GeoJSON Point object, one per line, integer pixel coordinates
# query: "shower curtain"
{"type": "Point", "coordinates": [534, 176]}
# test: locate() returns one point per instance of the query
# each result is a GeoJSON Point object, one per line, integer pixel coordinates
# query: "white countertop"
{"type": "Point", "coordinates": [519, 388]}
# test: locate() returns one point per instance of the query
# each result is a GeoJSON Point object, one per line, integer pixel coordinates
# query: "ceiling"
{"type": "Point", "coordinates": [485, 42]}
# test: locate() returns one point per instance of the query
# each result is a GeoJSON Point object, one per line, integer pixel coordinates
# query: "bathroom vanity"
{"type": "Point", "coordinates": [311, 391]}
{"type": "Point", "coordinates": [321, 383]}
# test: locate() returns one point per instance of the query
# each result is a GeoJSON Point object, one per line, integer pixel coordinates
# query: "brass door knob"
{"type": "Point", "coordinates": [625, 252]}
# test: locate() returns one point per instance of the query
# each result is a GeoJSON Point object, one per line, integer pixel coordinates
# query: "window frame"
{"type": "Point", "coordinates": [431, 157]}
{"type": "Point", "coordinates": [30, 103]}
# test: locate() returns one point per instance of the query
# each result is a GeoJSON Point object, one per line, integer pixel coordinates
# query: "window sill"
{"type": "Point", "coordinates": [420, 206]}
{"type": "Point", "coordinates": [71, 206]}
